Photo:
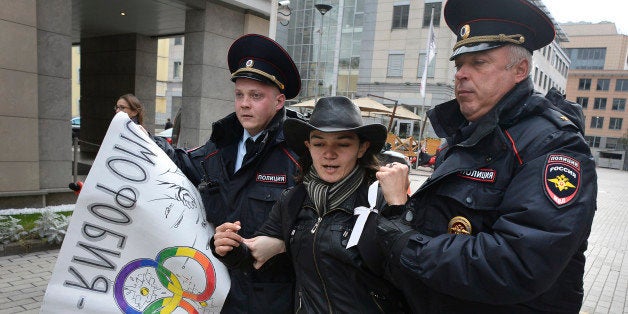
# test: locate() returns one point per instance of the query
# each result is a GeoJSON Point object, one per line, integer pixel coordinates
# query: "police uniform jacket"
{"type": "Point", "coordinates": [246, 196]}
{"type": "Point", "coordinates": [524, 180]}
{"type": "Point", "coordinates": [330, 277]}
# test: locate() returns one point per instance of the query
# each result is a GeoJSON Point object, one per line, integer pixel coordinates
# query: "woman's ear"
{"type": "Point", "coordinates": [363, 147]}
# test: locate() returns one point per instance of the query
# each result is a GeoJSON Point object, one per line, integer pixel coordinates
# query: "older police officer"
{"type": "Point", "coordinates": [502, 224]}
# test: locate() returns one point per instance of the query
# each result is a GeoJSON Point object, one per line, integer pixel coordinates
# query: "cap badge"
{"type": "Point", "coordinates": [249, 63]}
{"type": "Point", "coordinates": [459, 225]}
{"type": "Point", "coordinates": [465, 31]}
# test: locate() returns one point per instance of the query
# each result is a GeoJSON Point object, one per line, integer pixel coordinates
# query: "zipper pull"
{"type": "Point", "coordinates": [316, 224]}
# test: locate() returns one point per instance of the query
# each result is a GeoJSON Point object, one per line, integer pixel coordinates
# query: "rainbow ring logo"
{"type": "Point", "coordinates": [133, 284]}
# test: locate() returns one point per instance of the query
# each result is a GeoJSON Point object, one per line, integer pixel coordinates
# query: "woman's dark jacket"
{"type": "Point", "coordinates": [330, 278]}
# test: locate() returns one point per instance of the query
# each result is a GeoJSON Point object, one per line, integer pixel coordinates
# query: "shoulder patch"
{"type": "Point", "coordinates": [561, 179]}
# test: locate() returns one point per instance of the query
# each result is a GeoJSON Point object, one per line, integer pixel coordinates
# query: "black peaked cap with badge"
{"type": "Point", "coordinates": [260, 58]}
{"type": "Point", "coordinates": [333, 114]}
{"type": "Point", "coordinates": [487, 24]}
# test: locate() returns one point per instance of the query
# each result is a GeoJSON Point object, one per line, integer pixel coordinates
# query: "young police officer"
{"type": "Point", "coordinates": [502, 224]}
{"type": "Point", "coordinates": [243, 168]}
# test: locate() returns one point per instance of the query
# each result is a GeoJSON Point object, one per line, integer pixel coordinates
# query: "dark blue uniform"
{"type": "Point", "coordinates": [246, 196]}
{"type": "Point", "coordinates": [502, 224]}
{"type": "Point", "coordinates": [269, 167]}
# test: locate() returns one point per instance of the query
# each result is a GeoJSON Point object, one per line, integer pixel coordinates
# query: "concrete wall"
{"type": "Point", "coordinates": [207, 88]}
{"type": "Point", "coordinates": [112, 66]}
{"type": "Point", "coordinates": [34, 100]}
{"type": "Point", "coordinates": [19, 126]}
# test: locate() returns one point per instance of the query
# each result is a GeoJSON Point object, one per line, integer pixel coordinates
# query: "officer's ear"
{"type": "Point", "coordinates": [280, 99]}
{"type": "Point", "coordinates": [521, 70]}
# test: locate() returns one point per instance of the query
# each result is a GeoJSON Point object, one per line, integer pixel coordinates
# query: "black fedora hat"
{"type": "Point", "coordinates": [487, 24]}
{"type": "Point", "coordinates": [333, 114]}
{"type": "Point", "coordinates": [262, 59]}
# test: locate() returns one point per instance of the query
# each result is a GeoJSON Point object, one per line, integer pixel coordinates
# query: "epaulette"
{"type": "Point", "coordinates": [559, 119]}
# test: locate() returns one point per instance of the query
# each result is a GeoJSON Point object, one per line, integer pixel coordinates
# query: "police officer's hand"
{"type": "Point", "coordinates": [226, 237]}
{"type": "Point", "coordinates": [263, 248]}
{"type": "Point", "coordinates": [377, 240]}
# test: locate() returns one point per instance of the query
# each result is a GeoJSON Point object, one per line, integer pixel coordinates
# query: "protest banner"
{"type": "Point", "coordinates": [138, 239]}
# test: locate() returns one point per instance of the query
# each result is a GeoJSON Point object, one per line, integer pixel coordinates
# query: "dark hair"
{"type": "Point", "coordinates": [368, 161]}
{"type": "Point", "coordinates": [135, 105]}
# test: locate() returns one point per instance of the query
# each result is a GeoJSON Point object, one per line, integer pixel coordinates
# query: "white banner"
{"type": "Point", "coordinates": [138, 238]}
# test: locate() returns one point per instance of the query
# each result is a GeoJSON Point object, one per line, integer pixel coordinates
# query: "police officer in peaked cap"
{"type": "Point", "coordinates": [245, 165]}
{"type": "Point", "coordinates": [502, 223]}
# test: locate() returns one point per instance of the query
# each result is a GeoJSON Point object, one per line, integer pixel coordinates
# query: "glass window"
{"type": "Point", "coordinates": [615, 123]}
{"type": "Point", "coordinates": [587, 58]}
{"type": "Point", "coordinates": [584, 101]}
{"type": "Point", "coordinates": [584, 84]}
{"type": "Point", "coordinates": [177, 69]}
{"type": "Point", "coordinates": [597, 122]}
{"type": "Point", "coordinates": [621, 85]}
{"type": "Point", "coordinates": [619, 104]}
{"type": "Point", "coordinates": [599, 103]}
{"type": "Point", "coordinates": [593, 141]}
{"type": "Point", "coordinates": [611, 142]}
{"type": "Point", "coordinates": [178, 40]}
{"type": "Point", "coordinates": [395, 65]}
{"type": "Point", "coordinates": [430, 68]}
{"type": "Point", "coordinates": [427, 14]}
{"type": "Point", "coordinates": [603, 84]}
{"type": "Point", "coordinates": [400, 16]}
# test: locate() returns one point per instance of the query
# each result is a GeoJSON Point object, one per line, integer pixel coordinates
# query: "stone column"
{"type": "Point", "coordinates": [112, 66]}
{"type": "Point", "coordinates": [54, 47]}
{"type": "Point", "coordinates": [19, 126]}
{"type": "Point", "coordinates": [207, 88]}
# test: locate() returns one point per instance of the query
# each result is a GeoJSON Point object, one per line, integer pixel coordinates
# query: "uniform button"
{"type": "Point", "coordinates": [409, 216]}
{"type": "Point", "coordinates": [268, 196]}
{"type": "Point", "coordinates": [469, 199]}
{"type": "Point", "coordinates": [489, 158]}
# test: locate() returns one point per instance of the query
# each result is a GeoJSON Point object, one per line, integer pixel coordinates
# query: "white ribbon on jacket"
{"type": "Point", "coordinates": [363, 214]}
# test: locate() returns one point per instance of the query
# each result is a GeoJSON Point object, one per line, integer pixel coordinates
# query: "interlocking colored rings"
{"type": "Point", "coordinates": [168, 279]}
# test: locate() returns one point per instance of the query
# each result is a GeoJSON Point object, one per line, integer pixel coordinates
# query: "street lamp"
{"type": "Point", "coordinates": [322, 8]}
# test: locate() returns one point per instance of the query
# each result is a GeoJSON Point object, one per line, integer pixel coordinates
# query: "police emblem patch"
{"type": "Point", "coordinates": [561, 179]}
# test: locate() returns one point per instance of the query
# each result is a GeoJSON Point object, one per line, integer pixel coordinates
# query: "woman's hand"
{"type": "Point", "coordinates": [226, 237]}
{"type": "Point", "coordinates": [394, 180]}
{"type": "Point", "coordinates": [263, 248]}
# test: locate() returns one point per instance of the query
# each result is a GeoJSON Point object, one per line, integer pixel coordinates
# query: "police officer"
{"type": "Point", "coordinates": [502, 224]}
{"type": "Point", "coordinates": [243, 168]}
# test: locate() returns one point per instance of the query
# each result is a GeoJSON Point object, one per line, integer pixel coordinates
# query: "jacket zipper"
{"type": "Point", "coordinates": [318, 272]}
{"type": "Point", "coordinates": [316, 225]}
{"type": "Point", "coordinates": [374, 296]}
{"type": "Point", "coordinates": [300, 304]}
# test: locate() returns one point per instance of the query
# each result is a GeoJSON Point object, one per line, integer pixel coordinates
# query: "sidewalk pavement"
{"type": "Point", "coordinates": [23, 278]}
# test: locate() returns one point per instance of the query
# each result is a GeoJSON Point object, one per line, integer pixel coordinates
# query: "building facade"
{"type": "Point", "coordinates": [394, 46]}
{"type": "Point", "coordinates": [169, 78]}
{"type": "Point", "coordinates": [598, 80]}
{"type": "Point", "coordinates": [118, 55]}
